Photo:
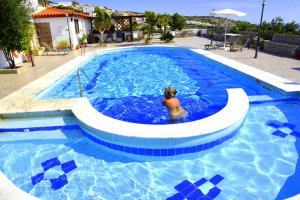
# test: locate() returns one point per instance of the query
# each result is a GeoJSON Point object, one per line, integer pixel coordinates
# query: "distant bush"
{"type": "Point", "coordinates": [63, 44]}
{"type": "Point", "coordinates": [167, 37]}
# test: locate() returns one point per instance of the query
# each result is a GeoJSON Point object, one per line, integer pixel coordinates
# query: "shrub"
{"type": "Point", "coordinates": [63, 44]}
{"type": "Point", "coordinates": [167, 37]}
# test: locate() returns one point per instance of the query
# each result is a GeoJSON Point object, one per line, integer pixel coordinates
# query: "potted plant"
{"type": "Point", "coordinates": [63, 44]}
{"type": "Point", "coordinates": [83, 40]}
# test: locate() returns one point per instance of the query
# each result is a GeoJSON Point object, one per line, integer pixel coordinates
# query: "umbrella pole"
{"type": "Point", "coordinates": [225, 35]}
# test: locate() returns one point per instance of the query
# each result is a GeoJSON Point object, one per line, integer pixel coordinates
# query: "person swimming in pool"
{"type": "Point", "coordinates": [173, 104]}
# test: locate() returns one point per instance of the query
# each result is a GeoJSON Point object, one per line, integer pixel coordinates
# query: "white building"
{"type": "Point", "coordinates": [55, 26]}
{"type": "Point", "coordinates": [67, 3]}
{"type": "Point", "coordinates": [88, 9]}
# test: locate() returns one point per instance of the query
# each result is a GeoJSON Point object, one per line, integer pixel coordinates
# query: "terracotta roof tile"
{"type": "Point", "coordinates": [51, 12]}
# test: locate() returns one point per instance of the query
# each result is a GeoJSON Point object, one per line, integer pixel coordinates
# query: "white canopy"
{"type": "Point", "coordinates": [227, 12]}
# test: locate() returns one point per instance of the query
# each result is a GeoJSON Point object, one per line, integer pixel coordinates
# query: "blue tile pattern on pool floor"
{"type": "Point", "coordinates": [278, 126]}
{"type": "Point", "coordinates": [191, 191]}
{"type": "Point", "coordinates": [59, 182]}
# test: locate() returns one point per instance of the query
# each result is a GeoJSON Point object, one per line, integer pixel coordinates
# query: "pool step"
{"type": "Point", "coordinates": [58, 135]}
{"type": "Point", "coordinates": [259, 99]}
{"type": "Point", "coordinates": [256, 98]}
{"type": "Point", "coordinates": [38, 122]}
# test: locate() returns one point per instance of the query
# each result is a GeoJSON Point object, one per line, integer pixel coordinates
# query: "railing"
{"type": "Point", "coordinates": [79, 82]}
{"type": "Point", "coordinates": [94, 54]}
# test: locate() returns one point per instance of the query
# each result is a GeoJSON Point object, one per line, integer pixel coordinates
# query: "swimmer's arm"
{"type": "Point", "coordinates": [164, 102]}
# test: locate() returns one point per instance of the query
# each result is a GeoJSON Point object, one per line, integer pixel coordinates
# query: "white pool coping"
{"type": "Point", "coordinates": [9, 191]}
{"type": "Point", "coordinates": [234, 111]}
{"type": "Point", "coordinates": [271, 79]}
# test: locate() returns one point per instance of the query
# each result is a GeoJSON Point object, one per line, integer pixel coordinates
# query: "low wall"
{"type": "Point", "coordinates": [279, 48]}
{"type": "Point", "coordinates": [286, 39]}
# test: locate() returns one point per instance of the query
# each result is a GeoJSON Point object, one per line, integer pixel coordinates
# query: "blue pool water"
{"type": "Point", "coordinates": [255, 164]}
{"type": "Point", "coordinates": [128, 84]}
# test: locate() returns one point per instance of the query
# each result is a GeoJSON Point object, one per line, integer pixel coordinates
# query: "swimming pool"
{"type": "Point", "coordinates": [57, 158]}
{"type": "Point", "coordinates": [63, 164]}
{"type": "Point", "coordinates": [128, 84]}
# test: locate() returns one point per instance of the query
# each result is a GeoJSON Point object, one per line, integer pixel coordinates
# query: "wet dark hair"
{"type": "Point", "coordinates": [170, 92]}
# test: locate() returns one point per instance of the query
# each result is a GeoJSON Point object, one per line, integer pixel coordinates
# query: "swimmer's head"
{"type": "Point", "coordinates": [170, 92]}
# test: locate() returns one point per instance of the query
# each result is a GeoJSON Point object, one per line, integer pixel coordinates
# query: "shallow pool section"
{"type": "Point", "coordinates": [67, 165]}
{"type": "Point", "coordinates": [128, 84]}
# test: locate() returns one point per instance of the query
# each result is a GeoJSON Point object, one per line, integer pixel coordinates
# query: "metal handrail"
{"type": "Point", "coordinates": [94, 52]}
{"type": "Point", "coordinates": [79, 82]}
{"type": "Point", "coordinates": [78, 73]}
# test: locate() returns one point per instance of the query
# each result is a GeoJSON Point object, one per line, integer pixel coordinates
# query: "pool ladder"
{"type": "Point", "coordinates": [94, 54]}
{"type": "Point", "coordinates": [91, 49]}
{"type": "Point", "coordinates": [79, 82]}
{"type": "Point", "coordinates": [79, 71]}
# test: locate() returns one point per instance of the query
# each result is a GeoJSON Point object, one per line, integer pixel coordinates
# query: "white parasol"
{"type": "Point", "coordinates": [226, 13]}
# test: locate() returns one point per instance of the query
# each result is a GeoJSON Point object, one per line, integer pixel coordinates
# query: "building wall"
{"type": "Point", "coordinates": [19, 58]}
{"type": "Point", "coordinates": [59, 29]}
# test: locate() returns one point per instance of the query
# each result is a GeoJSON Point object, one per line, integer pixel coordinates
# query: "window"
{"type": "Point", "coordinates": [76, 26]}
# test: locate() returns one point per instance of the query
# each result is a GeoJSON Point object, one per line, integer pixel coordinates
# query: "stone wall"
{"type": "Point", "coordinates": [286, 39]}
{"type": "Point", "coordinates": [279, 48]}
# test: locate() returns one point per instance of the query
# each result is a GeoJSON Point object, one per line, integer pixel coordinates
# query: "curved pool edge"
{"type": "Point", "coordinates": [172, 139]}
{"type": "Point", "coordinates": [8, 190]}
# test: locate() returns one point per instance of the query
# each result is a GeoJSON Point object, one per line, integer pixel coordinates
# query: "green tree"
{"type": "Point", "coordinates": [149, 26]}
{"type": "Point", "coordinates": [15, 27]}
{"type": "Point", "coordinates": [277, 25]}
{"type": "Point", "coordinates": [178, 22]}
{"type": "Point", "coordinates": [75, 3]}
{"type": "Point", "coordinates": [243, 26]}
{"type": "Point", "coordinates": [163, 21]}
{"type": "Point", "coordinates": [102, 21]}
{"type": "Point", "coordinates": [291, 28]}
{"type": "Point", "coordinates": [266, 31]}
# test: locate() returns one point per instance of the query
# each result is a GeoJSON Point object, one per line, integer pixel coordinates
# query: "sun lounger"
{"type": "Point", "coordinates": [55, 51]}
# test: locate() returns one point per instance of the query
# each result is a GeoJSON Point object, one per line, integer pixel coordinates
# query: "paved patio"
{"type": "Point", "coordinates": [285, 67]}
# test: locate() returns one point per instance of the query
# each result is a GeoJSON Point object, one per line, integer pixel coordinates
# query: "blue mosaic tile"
{"type": "Point", "coordinates": [164, 152]}
{"type": "Point", "coordinates": [196, 194]}
{"type": "Point", "coordinates": [59, 182]}
{"type": "Point", "coordinates": [193, 149]}
{"type": "Point", "coordinates": [216, 179]}
{"type": "Point", "coordinates": [142, 151]}
{"type": "Point", "coordinates": [205, 146]}
{"type": "Point", "coordinates": [214, 192]}
{"type": "Point", "coordinates": [188, 190]}
{"type": "Point", "coordinates": [291, 126]}
{"type": "Point", "coordinates": [200, 182]}
{"type": "Point", "coordinates": [171, 152]}
{"type": "Point", "coordinates": [156, 152]}
{"type": "Point", "coordinates": [135, 151]}
{"type": "Point", "coordinates": [68, 166]}
{"type": "Point", "coordinates": [274, 124]}
{"type": "Point", "coordinates": [176, 196]}
{"type": "Point", "coordinates": [37, 178]}
{"type": "Point", "coordinates": [179, 151]}
{"type": "Point", "coordinates": [295, 133]}
{"type": "Point", "coordinates": [184, 184]}
{"type": "Point", "coordinates": [199, 148]}
{"type": "Point", "coordinates": [204, 198]}
{"type": "Point", "coordinates": [50, 163]}
{"type": "Point", "coordinates": [280, 134]}
{"type": "Point", "coordinates": [149, 152]}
